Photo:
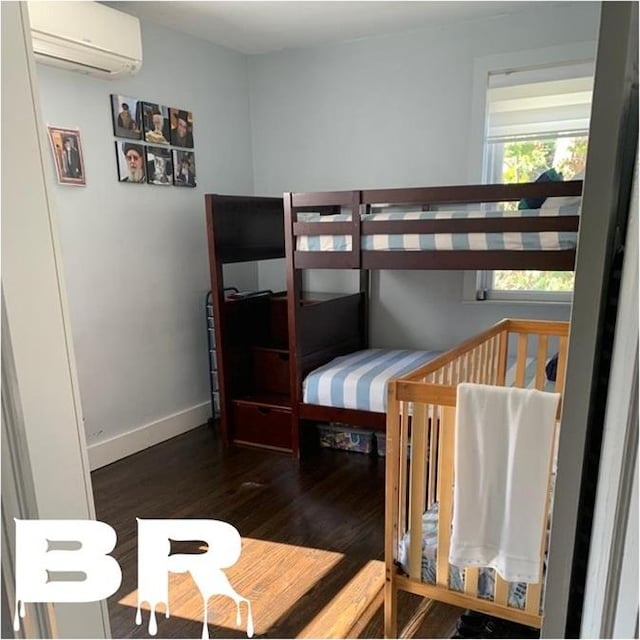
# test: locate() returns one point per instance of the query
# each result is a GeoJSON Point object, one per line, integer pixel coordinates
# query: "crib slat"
{"type": "Point", "coordinates": [494, 360]}
{"type": "Point", "coordinates": [488, 365]}
{"type": "Point", "coordinates": [445, 492]}
{"type": "Point", "coordinates": [433, 453]}
{"type": "Point", "coordinates": [543, 342]}
{"type": "Point", "coordinates": [471, 581]}
{"type": "Point", "coordinates": [477, 372]}
{"type": "Point", "coordinates": [417, 488]}
{"type": "Point", "coordinates": [501, 591]}
{"type": "Point", "coordinates": [562, 364]}
{"type": "Point", "coordinates": [392, 500]}
{"type": "Point", "coordinates": [485, 363]}
{"type": "Point", "coordinates": [521, 362]}
{"type": "Point", "coordinates": [503, 345]}
{"type": "Point", "coordinates": [534, 591]}
{"type": "Point", "coordinates": [486, 368]}
{"type": "Point", "coordinates": [402, 479]}
{"type": "Point", "coordinates": [532, 604]}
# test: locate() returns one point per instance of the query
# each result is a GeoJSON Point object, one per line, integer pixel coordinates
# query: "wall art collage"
{"type": "Point", "coordinates": [151, 131]}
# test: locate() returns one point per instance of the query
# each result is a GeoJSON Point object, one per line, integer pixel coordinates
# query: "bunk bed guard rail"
{"type": "Point", "coordinates": [342, 214]}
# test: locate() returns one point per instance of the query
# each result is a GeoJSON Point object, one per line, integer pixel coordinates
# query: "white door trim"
{"type": "Point", "coordinates": [612, 547]}
{"type": "Point", "coordinates": [34, 302]}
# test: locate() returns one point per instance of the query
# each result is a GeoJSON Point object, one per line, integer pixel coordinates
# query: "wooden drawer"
{"type": "Point", "coordinates": [261, 425]}
{"type": "Point", "coordinates": [271, 371]}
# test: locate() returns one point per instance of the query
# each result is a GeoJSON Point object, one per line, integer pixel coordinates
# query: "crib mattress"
{"type": "Point", "coordinates": [486, 576]}
{"type": "Point", "coordinates": [508, 241]}
{"type": "Point", "coordinates": [359, 380]}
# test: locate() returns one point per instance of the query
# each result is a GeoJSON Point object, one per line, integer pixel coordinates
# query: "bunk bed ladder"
{"type": "Point", "coordinates": [211, 353]}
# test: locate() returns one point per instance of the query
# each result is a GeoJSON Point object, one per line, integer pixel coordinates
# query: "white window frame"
{"type": "Point", "coordinates": [477, 284]}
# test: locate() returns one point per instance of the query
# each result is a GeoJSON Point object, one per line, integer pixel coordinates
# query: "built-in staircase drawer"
{"type": "Point", "coordinates": [261, 425]}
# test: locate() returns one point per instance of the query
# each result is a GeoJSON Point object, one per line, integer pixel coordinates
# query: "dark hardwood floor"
{"type": "Point", "coordinates": [312, 534]}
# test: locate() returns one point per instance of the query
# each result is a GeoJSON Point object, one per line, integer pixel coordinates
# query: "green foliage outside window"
{"type": "Point", "coordinates": [533, 280]}
{"type": "Point", "coordinates": [524, 161]}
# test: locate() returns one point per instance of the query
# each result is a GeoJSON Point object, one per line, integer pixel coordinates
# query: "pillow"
{"type": "Point", "coordinates": [567, 205]}
{"type": "Point", "coordinates": [550, 175]}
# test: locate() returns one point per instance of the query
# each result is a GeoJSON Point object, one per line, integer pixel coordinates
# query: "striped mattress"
{"type": "Point", "coordinates": [510, 241]}
{"type": "Point", "coordinates": [517, 592]}
{"type": "Point", "coordinates": [359, 380]}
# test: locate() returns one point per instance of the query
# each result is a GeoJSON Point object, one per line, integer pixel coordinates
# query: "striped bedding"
{"type": "Point", "coordinates": [513, 241]}
{"type": "Point", "coordinates": [359, 380]}
{"type": "Point", "coordinates": [516, 596]}
{"type": "Point", "coordinates": [529, 375]}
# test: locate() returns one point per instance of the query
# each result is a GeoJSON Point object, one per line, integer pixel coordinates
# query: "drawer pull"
{"type": "Point", "coordinates": [264, 411]}
{"type": "Point", "coordinates": [284, 357]}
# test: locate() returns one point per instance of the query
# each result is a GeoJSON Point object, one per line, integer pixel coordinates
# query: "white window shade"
{"type": "Point", "coordinates": [522, 104]}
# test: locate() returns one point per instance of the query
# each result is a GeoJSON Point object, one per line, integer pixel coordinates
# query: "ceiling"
{"type": "Point", "coordinates": [261, 27]}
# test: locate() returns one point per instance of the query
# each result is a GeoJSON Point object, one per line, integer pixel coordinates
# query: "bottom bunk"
{"type": "Point", "coordinates": [351, 389]}
{"type": "Point", "coordinates": [425, 502]}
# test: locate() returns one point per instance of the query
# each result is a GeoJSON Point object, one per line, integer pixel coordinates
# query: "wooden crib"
{"type": "Point", "coordinates": [420, 451]}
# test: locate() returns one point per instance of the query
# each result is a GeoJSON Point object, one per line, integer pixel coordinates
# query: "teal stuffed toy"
{"type": "Point", "coordinates": [550, 175]}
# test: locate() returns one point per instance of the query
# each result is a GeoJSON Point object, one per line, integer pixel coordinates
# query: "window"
{"type": "Point", "coordinates": [537, 119]}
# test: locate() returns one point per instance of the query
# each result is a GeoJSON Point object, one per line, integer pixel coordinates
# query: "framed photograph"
{"type": "Point", "coordinates": [126, 114]}
{"type": "Point", "coordinates": [184, 168]}
{"type": "Point", "coordinates": [181, 128]}
{"type": "Point", "coordinates": [159, 166]}
{"type": "Point", "coordinates": [155, 121]}
{"type": "Point", "coordinates": [67, 154]}
{"type": "Point", "coordinates": [131, 162]}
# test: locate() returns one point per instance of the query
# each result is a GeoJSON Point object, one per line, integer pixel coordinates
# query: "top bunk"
{"type": "Point", "coordinates": [244, 228]}
{"type": "Point", "coordinates": [455, 227]}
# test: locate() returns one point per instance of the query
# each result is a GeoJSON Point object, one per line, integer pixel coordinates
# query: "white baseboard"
{"type": "Point", "coordinates": [123, 445]}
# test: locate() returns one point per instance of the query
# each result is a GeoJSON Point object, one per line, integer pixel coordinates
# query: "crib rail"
{"type": "Point", "coordinates": [420, 451]}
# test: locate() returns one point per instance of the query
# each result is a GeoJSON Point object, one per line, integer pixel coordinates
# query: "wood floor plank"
{"type": "Point", "coordinates": [312, 535]}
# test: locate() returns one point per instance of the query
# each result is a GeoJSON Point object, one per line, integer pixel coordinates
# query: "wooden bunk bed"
{"type": "Point", "coordinates": [413, 228]}
{"type": "Point", "coordinates": [267, 344]}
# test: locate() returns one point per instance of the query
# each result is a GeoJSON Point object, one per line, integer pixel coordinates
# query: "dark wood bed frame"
{"type": "Point", "coordinates": [331, 333]}
{"type": "Point", "coordinates": [264, 346]}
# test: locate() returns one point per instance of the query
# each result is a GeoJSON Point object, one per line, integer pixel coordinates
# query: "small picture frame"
{"type": "Point", "coordinates": [130, 158]}
{"type": "Point", "coordinates": [155, 121]}
{"type": "Point", "coordinates": [159, 166]}
{"type": "Point", "coordinates": [126, 114]}
{"type": "Point", "coordinates": [184, 168]}
{"type": "Point", "coordinates": [181, 128]}
{"type": "Point", "coordinates": [67, 155]}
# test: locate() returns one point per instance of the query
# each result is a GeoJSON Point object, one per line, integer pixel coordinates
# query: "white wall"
{"type": "Point", "coordinates": [395, 111]}
{"type": "Point", "coordinates": [384, 111]}
{"type": "Point", "coordinates": [135, 257]}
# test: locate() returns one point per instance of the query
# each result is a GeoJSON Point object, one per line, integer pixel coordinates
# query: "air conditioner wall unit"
{"type": "Point", "coordinates": [87, 37]}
